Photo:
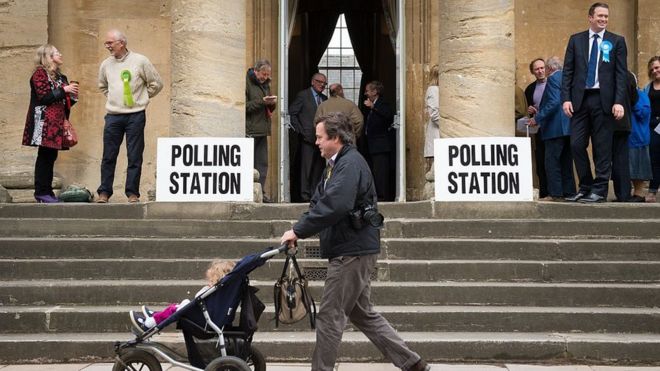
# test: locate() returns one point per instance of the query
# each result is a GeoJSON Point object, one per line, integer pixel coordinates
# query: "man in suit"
{"type": "Point", "coordinates": [594, 94]}
{"type": "Point", "coordinates": [533, 94]}
{"type": "Point", "coordinates": [337, 103]}
{"type": "Point", "coordinates": [302, 112]}
{"type": "Point", "coordinates": [377, 131]}
{"type": "Point", "coordinates": [555, 132]}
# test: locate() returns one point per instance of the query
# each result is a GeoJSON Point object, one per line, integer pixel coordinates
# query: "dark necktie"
{"type": "Point", "coordinates": [318, 100]}
{"type": "Point", "coordinates": [593, 62]}
{"type": "Point", "coordinates": [328, 171]}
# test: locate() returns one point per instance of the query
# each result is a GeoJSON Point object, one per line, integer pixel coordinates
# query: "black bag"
{"type": "Point", "coordinates": [292, 301]}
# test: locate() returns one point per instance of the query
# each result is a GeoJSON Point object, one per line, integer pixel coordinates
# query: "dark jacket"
{"type": "Point", "coordinates": [302, 112]}
{"type": "Point", "coordinates": [551, 118]}
{"type": "Point", "coordinates": [377, 126]}
{"type": "Point", "coordinates": [257, 113]}
{"type": "Point", "coordinates": [349, 186]}
{"type": "Point", "coordinates": [529, 94]}
{"type": "Point", "coordinates": [612, 75]}
{"type": "Point", "coordinates": [47, 112]}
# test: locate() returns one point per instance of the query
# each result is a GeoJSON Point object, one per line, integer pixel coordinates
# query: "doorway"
{"type": "Point", "coordinates": [351, 42]}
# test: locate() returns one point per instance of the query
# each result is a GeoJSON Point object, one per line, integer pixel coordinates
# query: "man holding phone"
{"type": "Point", "coordinates": [259, 107]}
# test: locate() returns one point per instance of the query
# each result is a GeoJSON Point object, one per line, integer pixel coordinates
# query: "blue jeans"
{"type": "Point", "coordinates": [132, 125]}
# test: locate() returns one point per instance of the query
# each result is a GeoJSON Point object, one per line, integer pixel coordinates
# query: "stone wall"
{"type": "Point", "coordinates": [23, 28]}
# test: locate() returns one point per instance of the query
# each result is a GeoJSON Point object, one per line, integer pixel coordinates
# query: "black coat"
{"type": "Point", "coordinates": [612, 75]}
{"type": "Point", "coordinates": [349, 186]}
{"type": "Point", "coordinates": [377, 127]}
{"type": "Point", "coordinates": [302, 112]}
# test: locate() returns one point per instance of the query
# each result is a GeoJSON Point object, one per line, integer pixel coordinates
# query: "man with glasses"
{"type": "Point", "coordinates": [302, 112]}
{"type": "Point", "coordinates": [128, 80]}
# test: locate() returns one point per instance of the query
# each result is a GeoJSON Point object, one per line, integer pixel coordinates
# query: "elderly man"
{"type": "Point", "coordinates": [302, 112]}
{"type": "Point", "coordinates": [555, 132]}
{"type": "Point", "coordinates": [128, 80]}
{"type": "Point", "coordinates": [378, 132]}
{"type": "Point", "coordinates": [338, 103]}
{"type": "Point", "coordinates": [594, 93]}
{"type": "Point", "coordinates": [259, 107]}
{"type": "Point", "coordinates": [533, 94]}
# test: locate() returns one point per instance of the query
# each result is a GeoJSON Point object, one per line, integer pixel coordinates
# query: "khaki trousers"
{"type": "Point", "coordinates": [347, 295]}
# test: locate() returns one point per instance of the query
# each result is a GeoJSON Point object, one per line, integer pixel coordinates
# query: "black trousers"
{"type": "Point", "coordinates": [43, 171]}
{"type": "Point", "coordinates": [539, 158]}
{"type": "Point", "coordinates": [654, 152]}
{"type": "Point", "coordinates": [381, 169]}
{"type": "Point", "coordinates": [591, 121]}
{"type": "Point", "coordinates": [261, 160]}
{"type": "Point", "coordinates": [311, 169]}
{"type": "Point", "coordinates": [621, 166]}
{"type": "Point", "coordinates": [559, 167]}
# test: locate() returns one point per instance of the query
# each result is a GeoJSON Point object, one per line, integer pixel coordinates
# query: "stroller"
{"type": "Point", "coordinates": [208, 316]}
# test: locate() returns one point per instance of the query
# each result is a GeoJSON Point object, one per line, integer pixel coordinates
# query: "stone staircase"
{"type": "Point", "coordinates": [540, 282]}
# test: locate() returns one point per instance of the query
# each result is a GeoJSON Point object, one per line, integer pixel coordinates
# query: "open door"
{"type": "Point", "coordinates": [400, 118]}
{"type": "Point", "coordinates": [283, 184]}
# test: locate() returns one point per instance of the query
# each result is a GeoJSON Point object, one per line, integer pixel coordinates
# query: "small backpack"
{"type": "Point", "coordinates": [76, 193]}
{"type": "Point", "coordinates": [292, 301]}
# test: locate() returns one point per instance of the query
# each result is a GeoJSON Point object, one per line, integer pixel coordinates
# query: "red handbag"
{"type": "Point", "coordinates": [70, 136]}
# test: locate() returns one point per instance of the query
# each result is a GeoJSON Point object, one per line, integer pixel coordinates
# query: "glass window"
{"type": "Point", "coordinates": [339, 63]}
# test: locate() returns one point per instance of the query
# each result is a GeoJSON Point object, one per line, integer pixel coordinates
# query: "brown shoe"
{"type": "Point", "coordinates": [650, 197]}
{"type": "Point", "coordinates": [133, 199]}
{"type": "Point", "coordinates": [103, 198]}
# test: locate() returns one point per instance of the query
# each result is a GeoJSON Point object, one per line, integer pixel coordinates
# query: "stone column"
{"type": "Point", "coordinates": [208, 68]}
{"type": "Point", "coordinates": [648, 25]}
{"type": "Point", "coordinates": [477, 67]}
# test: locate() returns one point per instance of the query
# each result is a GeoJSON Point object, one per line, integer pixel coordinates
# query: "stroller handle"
{"type": "Point", "coordinates": [269, 254]}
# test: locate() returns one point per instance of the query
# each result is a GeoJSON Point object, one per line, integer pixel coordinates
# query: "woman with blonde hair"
{"type": "Point", "coordinates": [432, 109]}
{"type": "Point", "coordinates": [50, 103]}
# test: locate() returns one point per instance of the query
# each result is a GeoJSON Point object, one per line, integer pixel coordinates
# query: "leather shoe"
{"type": "Point", "coordinates": [575, 197]}
{"type": "Point", "coordinates": [592, 198]}
{"type": "Point", "coordinates": [421, 365]}
{"type": "Point", "coordinates": [103, 198]}
{"type": "Point", "coordinates": [133, 199]}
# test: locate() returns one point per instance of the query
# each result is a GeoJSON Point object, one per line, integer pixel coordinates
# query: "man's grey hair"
{"type": "Point", "coordinates": [119, 36]}
{"type": "Point", "coordinates": [335, 89]}
{"type": "Point", "coordinates": [337, 125]}
{"type": "Point", "coordinates": [261, 63]}
{"type": "Point", "coordinates": [554, 63]}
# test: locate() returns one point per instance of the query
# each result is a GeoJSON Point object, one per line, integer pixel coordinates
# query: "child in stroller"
{"type": "Point", "coordinates": [142, 322]}
{"type": "Point", "coordinates": [208, 316]}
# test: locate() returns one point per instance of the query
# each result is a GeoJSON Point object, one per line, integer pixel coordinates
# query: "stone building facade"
{"type": "Point", "coordinates": [202, 49]}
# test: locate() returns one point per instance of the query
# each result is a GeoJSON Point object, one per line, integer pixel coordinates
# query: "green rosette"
{"type": "Point", "coordinates": [128, 95]}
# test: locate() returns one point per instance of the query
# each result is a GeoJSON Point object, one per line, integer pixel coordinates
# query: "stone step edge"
{"type": "Point", "coordinates": [379, 308]}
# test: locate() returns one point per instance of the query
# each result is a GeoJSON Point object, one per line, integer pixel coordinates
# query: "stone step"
{"type": "Point", "coordinates": [387, 270]}
{"type": "Point", "coordinates": [392, 248]}
{"type": "Point", "coordinates": [128, 292]}
{"type": "Point", "coordinates": [102, 319]}
{"type": "Point", "coordinates": [252, 211]}
{"type": "Point", "coordinates": [402, 228]}
{"type": "Point", "coordinates": [435, 347]}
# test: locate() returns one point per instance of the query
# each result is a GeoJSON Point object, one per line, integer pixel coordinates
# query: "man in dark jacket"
{"type": "Point", "coordinates": [259, 107]}
{"type": "Point", "coordinates": [351, 250]}
{"type": "Point", "coordinates": [380, 140]}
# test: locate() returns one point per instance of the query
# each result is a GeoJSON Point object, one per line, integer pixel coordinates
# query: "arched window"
{"type": "Point", "coordinates": [339, 63]}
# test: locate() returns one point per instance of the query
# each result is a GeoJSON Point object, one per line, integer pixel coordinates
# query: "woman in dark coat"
{"type": "Point", "coordinates": [50, 103]}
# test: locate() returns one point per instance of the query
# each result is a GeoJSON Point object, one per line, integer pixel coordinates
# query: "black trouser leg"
{"type": "Point", "coordinates": [43, 171]}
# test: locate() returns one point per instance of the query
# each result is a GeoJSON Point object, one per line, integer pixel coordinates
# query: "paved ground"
{"type": "Point", "coordinates": [347, 367]}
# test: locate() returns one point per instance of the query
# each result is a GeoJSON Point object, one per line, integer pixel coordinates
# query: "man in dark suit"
{"type": "Point", "coordinates": [378, 131]}
{"type": "Point", "coordinates": [594, 94]}
{"type": "Point", "coordinates": [302, 112]}
{"type": "Point", "coordinates": [533, 94]}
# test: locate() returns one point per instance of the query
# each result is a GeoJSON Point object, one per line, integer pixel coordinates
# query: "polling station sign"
{"type": "Point", "coordinates": [483, 169]}
{"type": "Point", "coordinates": [204, 169]}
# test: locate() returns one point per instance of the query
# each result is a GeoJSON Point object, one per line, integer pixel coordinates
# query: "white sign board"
{"type": "Point", "coordinates": [204, 169]}
{"type": "Point", "coordinates": [483, 169]}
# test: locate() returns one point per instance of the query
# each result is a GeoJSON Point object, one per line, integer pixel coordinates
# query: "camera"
{"type": "Point", "coordinates": [366, 215]}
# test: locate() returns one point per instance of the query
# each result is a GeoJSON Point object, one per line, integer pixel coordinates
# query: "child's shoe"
{"type": "Point", "coordinates": [138, 322]}
{"type": "Point", "coordinates": [147, 311]}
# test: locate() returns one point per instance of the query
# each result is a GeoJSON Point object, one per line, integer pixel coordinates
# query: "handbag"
{"type": "Point", "coordinates": [70, 138]}
{"type": "Point", "coordinates": [292, 301]}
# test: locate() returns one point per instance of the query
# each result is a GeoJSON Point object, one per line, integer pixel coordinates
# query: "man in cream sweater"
{"type": "Point", "coordinates": [128, 80]}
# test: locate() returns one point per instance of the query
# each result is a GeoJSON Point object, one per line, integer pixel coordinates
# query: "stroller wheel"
{"type": "Point", "coordinates": [256, 361]}
{"type": "Point", "coordinates": [137, 360]}
{"type": "Point", "coordinates": [228, 363]}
